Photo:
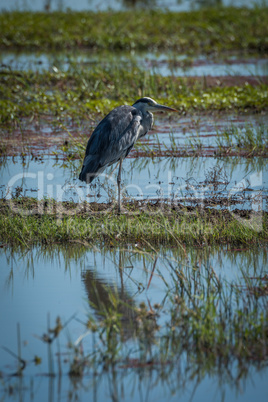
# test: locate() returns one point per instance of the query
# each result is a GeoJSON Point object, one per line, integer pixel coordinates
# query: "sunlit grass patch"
{"type": "Point", "coordinates": [28, 221]}
{"type": "Point", "coordinates": [83, 94]}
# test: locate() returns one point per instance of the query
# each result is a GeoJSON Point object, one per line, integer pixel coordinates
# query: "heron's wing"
{"type": "Point", "coordinates": [111, 140]}
{"type": "Point", "coordinates": [111, 129]}
{"type": "Point", "coordinates": [121, 144]}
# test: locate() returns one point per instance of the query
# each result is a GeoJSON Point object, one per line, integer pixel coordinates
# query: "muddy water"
{"type": "Point", "coordinates": [39, 284]}
{"type": "Point", "coordinates": [191, 133]}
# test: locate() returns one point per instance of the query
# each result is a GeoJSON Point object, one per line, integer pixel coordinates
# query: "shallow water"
{"type": "Point", "coordinates": [42, 283]}
{"type": "Point", "coordinates": [48, 174]}
{"type": "Point", "coordinates": [184, 133]}
{"type": "Point", "coordinates": [195, 179]}
{"type": "Point", "coordinates": [202, 131]}
{"type": "Point", "coordinates": [162, 64]}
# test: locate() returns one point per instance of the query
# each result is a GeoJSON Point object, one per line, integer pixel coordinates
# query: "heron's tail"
{"type": "Point", "coordinates": [83, 176]}
{"type": "Point", "coordinates": [90, 170]}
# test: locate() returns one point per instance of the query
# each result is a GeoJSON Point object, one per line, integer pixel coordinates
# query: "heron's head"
{"type": "Point", "coordinates": [148, 104]}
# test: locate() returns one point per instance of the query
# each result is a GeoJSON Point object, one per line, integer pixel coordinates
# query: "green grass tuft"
{"type": "Point", "coordinates": [27, 222]}
{"type": "Point", "coordinates": [85, 94]}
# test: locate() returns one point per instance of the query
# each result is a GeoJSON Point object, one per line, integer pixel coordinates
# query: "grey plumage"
{"type": "Point", "coordinates": [116, 135]}
{"type": "Point", "coordinates": [112, 139]}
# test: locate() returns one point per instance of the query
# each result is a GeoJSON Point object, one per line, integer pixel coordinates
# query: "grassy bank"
{"type": "Point", "coordinates": [25, 221]}
{"type": "Point", "coordinates": [86, 93]}
{"type": "Point", "coordinates": [204, 31]}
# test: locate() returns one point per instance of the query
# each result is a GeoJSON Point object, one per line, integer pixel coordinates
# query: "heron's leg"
{"type": "Point", "coordinates": [116, 166]}
{"type": "Point", "coordinates": [118, 185]}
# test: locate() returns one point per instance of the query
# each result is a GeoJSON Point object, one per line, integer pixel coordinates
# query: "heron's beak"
{"type": "Point", "coordinates": [158, 108]}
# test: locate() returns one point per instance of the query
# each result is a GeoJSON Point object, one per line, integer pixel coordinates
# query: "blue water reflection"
{"type": "Point", "coordinates": [175, 179]}
{"type": "Point", "coordinates": [42, 283]}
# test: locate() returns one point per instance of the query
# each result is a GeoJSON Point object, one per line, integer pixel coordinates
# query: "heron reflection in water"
{"type": "Point", "coordinates": [115, 136]}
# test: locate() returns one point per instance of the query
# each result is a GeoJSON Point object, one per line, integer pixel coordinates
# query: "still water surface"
{"type": "Point", "coordinates": [56, 281]}
{"type": "Point", "coordinates": [142, 179]}
{"type": "Point", "coordinates": [165, 64]}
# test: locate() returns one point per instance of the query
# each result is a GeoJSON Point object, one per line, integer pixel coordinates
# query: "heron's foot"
{"type": "Point", "coordinates": [121, 210]}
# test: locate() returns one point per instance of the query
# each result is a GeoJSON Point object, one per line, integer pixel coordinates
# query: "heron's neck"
{"type": "Point", "coordinates": [143, 109]}
{"type": "Point", "coordinates": [141, 106]}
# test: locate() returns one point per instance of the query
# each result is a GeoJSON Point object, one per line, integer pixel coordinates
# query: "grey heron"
{"type": "Point", "coordinates": [115, 136]}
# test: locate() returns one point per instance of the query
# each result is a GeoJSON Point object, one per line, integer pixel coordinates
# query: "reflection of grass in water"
{"type": "Point", "coordinates": [125, 257]}
{"type": "Point", "coordinates": [197, 163]}
{"type": "Point", "coordinates": [203, 326]}
{"type": "Point", "coordinates": [207, 319]}
{"type": "Point", "coordinates": [251, 139]}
